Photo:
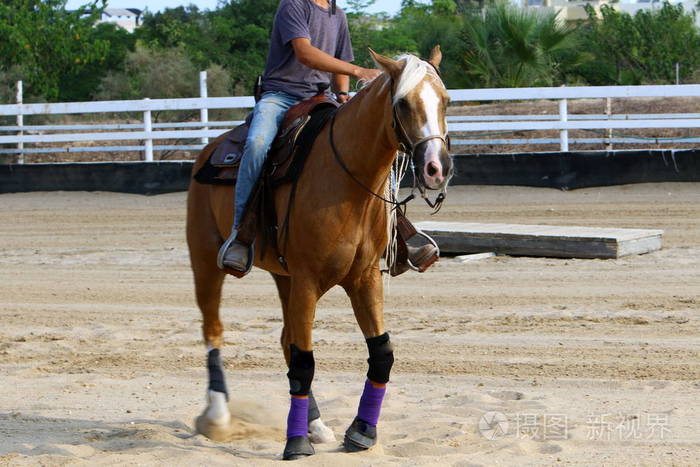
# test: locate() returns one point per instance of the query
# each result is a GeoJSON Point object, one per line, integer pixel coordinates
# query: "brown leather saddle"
{"type": "Point", "coordinates": [285, 152]}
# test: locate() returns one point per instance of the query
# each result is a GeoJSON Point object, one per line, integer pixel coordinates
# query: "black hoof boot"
{"type": "Point", "coordinates": [298, 447]}
{"type": "Point", "coordinates": [360, 436]}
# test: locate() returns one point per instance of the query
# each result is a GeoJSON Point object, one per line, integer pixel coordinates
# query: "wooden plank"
{"type": "Point", "coordinates": [541, 240]}
{"type": "Point", "coordinates": [474, 257]}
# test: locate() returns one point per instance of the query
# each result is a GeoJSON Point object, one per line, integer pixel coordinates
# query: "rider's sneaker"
{"type": "Point", "coordinates": [418, 255]}
{"type": "Point", "coordinates": [234, 255]}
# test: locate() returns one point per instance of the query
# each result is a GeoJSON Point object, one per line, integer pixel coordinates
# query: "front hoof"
{"type": "Point", "coordinates": [298, 447]}
{"type": "Point", "coordinates": [360, 436]}
{"type": "Point", "coordinates": [319, 433]}
{"type": "Point", "coordinates": [215, 421]}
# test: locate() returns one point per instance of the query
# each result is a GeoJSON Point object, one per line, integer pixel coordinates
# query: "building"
{"type": "Point", "coordinates": [127, 18]}
{"type": "Point", "coordinates": [574, 10]}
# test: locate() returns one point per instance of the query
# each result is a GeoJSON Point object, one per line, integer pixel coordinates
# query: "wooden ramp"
{"type": "Point", "coordinates": [541, 240]}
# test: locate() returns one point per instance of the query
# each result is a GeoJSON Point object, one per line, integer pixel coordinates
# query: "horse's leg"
{"type": "Point", "coordinates": [216, 416]}
{"type": "Point", "coordinates": [366, 295]}
{"type": "Point", "coordinates": [318, 431]}
{"type": "Point", "coordinates": [203, 241]}
{"type": "Point", "coordinates": [298, 323]}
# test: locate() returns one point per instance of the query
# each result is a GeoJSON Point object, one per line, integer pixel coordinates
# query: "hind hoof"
{"type": "Point", "coordinates": [298, 447]}
{"type": "Point", "coordinates": [360, 436]}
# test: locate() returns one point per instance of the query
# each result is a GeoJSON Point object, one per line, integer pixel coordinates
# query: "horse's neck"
{"type": "Point", "coordinates": [363, 134]}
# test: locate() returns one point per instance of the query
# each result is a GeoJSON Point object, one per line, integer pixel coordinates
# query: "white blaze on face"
{"type": "Point", "coordinates": [431, 107]}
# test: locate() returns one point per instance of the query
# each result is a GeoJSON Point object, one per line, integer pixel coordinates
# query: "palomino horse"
{"type": "Point", "coordinates": [336, 236]}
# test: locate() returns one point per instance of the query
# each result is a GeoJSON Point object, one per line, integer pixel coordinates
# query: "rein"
{"type": "Point", "coordinates": [355, 179]}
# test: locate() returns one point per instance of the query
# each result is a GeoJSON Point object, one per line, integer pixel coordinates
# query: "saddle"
{"type": "Point", "coordinates": [287, 154]}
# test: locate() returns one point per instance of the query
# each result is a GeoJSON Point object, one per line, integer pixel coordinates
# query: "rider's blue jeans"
{"type": "Point", "coordinates": [267, 118]}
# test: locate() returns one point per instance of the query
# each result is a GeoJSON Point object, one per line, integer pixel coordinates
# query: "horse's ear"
{"type": "Point", "coordinates": [435, 56]}
{"type": "Point", "coordinates": [393, 67]}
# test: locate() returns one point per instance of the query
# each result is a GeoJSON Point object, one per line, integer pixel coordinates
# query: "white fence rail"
{"type": "Point", "coordinates": [21, 135]}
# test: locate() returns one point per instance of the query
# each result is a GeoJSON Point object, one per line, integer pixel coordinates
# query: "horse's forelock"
{"type": "Point", "coordinates": [414, 72]}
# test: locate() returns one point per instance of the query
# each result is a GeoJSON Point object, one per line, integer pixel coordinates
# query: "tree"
{"type": "Point", "coordinates": [46, 42]}
{"type": "Point", "coordinates": [82, 84]}
{"type": "Point", "coordinates": [241, 37]}
{"type": "Point", "coordinates": [235, 36]}
{"type": "Point", "coordinates": [359, 6]}
{"type": "Point", "coordinates": [643, 48]}
{"type": "Point", "coordinates": [515, 47]}
{"type": "Point", "coordinates": [439, 23]}
{"type": "Point", "coordinates": [379, 33]}
{"type": "Point", "coordinates": [173, 27]}
{"type": "Point", "coordinates": [613, 39]}
{"type": "Point", "coordinates": [8, 90]}
{"type": "Point", "coordinates": [160, 74]}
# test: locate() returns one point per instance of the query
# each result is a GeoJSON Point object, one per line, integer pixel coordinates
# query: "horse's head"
{"type": "Point", "coordinates": [419, 101]}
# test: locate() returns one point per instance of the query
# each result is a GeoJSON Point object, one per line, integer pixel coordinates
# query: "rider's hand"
{"type": "Point", "coordinates": [342, 98]}
{"type": "Point", "coordinates": [367, 74]}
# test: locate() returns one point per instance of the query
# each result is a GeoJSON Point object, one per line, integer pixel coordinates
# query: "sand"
{"type": "Point", "coordinates": [585, 361]}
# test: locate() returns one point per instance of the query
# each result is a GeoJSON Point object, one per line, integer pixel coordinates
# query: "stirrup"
{"type": "Point", "coordinates": [222, 252]}
{"type": "Point", "coordinates": [429, 262]}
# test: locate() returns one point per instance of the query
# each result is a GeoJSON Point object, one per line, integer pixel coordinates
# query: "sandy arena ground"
{"type": "Point", "coordinates": [585, 361]}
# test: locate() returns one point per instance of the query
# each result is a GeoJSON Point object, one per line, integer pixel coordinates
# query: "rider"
{"type": "Point", "coordinates": [309, 46]}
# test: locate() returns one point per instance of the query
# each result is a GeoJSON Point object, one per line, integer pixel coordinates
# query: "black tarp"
{"type": "Point", "coordinates": [567, 171]}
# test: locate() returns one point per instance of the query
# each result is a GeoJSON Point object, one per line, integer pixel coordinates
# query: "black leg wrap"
{"type": "Point", "coordinates": [381, 358]}
{"type": "Point", "coordinates": [314, 413]}
{"type": "Point", "coordinates": [216, 372]}
{"type": "Point", "coordinates": [301, 371]}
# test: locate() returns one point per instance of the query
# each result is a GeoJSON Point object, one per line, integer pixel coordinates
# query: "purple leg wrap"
{"type": "Point", "coordinates": [297, 420]}
{"type": "Point", "coordinates": [371, 403]}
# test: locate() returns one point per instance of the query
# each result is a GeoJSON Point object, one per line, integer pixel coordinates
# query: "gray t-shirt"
{"type": "Point", "coordinates": [303, 18]}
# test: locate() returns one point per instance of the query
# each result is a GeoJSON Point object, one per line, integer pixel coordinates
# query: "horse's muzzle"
{"type": "Point", "coordinates": [435, 168]}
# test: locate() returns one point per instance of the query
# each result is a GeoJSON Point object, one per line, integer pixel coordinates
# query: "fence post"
{"type": "Point", "coordinates": [148, 143]}
{"type": "Point", "coordinates": [204, 112]}
{"type": "Point", "coordinates": [608, 112]}
{"type": "Point", "coordinates": [563, 134]}
{"type": "Point", "coordinates": [20, 122]}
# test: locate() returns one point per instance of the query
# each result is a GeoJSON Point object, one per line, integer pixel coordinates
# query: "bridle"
{"type": "Point", "coordinates": [406, 146]}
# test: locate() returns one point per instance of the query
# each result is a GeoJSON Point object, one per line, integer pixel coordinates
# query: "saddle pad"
{"type": "Point", "coordinates": [284, 163]}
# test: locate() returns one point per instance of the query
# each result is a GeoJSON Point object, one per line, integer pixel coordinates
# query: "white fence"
{"type": "Point", "coordinates": [21, 135]}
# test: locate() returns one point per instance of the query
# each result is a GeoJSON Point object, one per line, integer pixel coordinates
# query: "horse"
{"type": "Point", "coordinates": [336, 233]}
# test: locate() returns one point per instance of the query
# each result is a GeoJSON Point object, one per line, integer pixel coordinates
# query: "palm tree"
{"type": "Point", "coordinates": [508, 46]}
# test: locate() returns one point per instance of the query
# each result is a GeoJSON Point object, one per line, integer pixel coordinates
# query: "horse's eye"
{"type": "Point", "coordinates": [403, 105]}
